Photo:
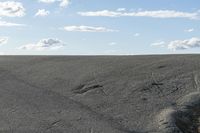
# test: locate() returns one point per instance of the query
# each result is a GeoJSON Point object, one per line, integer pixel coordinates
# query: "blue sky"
{"type": "Point", "coordinates": [99, 27]}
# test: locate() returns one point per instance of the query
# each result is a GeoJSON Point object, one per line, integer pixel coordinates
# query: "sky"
{"type": "Point", "coordinates": [99, 27]}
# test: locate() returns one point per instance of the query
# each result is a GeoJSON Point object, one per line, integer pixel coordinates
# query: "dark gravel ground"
{"type": "Point", "coordinates": [93, 94]}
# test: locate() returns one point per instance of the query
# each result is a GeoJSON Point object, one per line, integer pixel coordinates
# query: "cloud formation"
{"type": "Point", "coordinates": [9, 24]}
{"type": "Point", "coordinates": [189, 30]}
{"type": "Point", "coordinates": [47, 1]}
{"type": "Point", "coordinates": [63, 3]}
{"type": "Point", "coordinates": [42, 12]}
{"type": "Point", "coordinates": [3, 40]}
{"type": "Point", "coordinates": [87, 29]}
{"type": "Point", "coordinates": [11, 9]}
{"type": "Point", "coordinates": [44, 44]}
{"type": "Point", "coordinates": [112, 43]}
{"type": "Point", "coordinates": [136, 35]}
{"type": "Point", "coordinates": [184, 44]}
{"type": "Point", "coordinates": [159, 43]}
{"type": "Point", "coordinates": [121, 9]}
{"type": "Point", "coordinates": [153, 14]}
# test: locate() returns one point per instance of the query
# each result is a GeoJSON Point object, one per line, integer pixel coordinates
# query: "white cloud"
{"type": "Point", "coordinates": [87, 29]}
{"type": "Point", "coordinates": [47, 1]}
{"type": "Point", "coordinates": [153, 14]}
{"type": "Point", "coordinates": [9, 24]}
{"type": "Point", "coordinates": [63, 3]}
{"type": "Point", "coordinates": [104, 13]}
{"type": "Point", "coordinates": [159, 43]}
{"type": "Point", "coordinates": [189, 30]}
{"type": "Point", "coordinates": [136, 34]}
{"type": "Point", "coordinates": [112, 43]}
{"type": "Point", "coordinates": [11, 9]}
{"type": "Point", "coordinates": [3, 40]}
{"type": "Point", "coordinates": [121, 9]}
{"type": "Point", "coordinates": [42, 12]}
{"type": "Point", "coordinates": [184, 44]}
{"type": "Point", "coordinates": [44, 44]}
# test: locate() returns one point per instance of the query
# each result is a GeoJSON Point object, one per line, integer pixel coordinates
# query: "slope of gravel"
{"type": "Point", "coordinates": [100, 94]}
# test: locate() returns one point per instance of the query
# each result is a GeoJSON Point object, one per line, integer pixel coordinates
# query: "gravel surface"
{"type": "Point", "coordinates": [99, 94]}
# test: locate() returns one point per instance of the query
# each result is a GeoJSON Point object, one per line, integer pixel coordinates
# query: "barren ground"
{"type": "Point", "coordinates": [100, 94]}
